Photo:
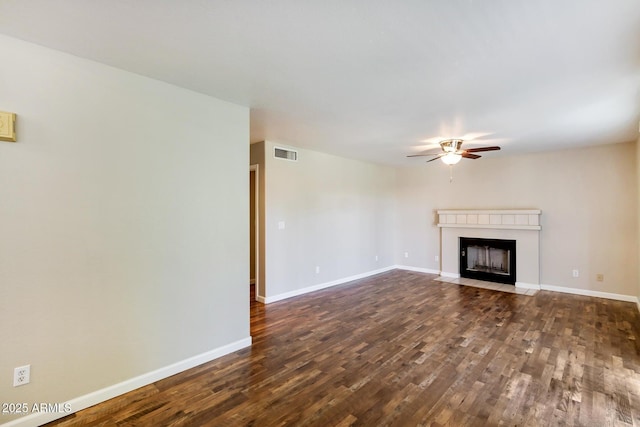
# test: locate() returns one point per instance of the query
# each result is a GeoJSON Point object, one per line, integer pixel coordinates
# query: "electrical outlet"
{"type": "Point", "coordinates": [21, 375]}
{"type": "Point", "coordinates": [406, 254]}
{"type": "Point", "coordinates": [437, 258]}
{"type": "Point", "coordinates": [600, 277]}
{"type": "Point", "coordinates": [376, 257]}
{"type": "Point", "coordinates": [575, 273]}
{"type": "Point", "coordinates": [317, 269]}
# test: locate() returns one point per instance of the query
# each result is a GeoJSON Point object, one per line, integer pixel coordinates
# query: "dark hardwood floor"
{"type": "Point", "coordinates": [400, 349]}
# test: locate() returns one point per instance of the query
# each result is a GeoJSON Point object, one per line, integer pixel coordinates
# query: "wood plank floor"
{"type": "Point", "coordinates": [401, 349]}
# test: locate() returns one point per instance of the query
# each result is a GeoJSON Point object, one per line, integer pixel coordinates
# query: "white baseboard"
{"type": "Point", "coordinates": [523, 285]}
{"type": "Point", "coordinates": [99, 396]}
{"type": "Point", "coordinates": [589, 293]}
{"type": "Point", "coordinates": [313, 288]}
{"type": "Point", "coordinates": [451, 275]}
{"type": "Point", "coordinates": [418, 269]}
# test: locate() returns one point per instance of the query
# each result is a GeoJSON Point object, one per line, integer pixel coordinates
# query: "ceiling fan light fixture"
{"type": "Point", "coordinates": [451, 158]}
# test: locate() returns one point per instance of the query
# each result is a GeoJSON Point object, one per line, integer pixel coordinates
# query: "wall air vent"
{"type": "Point", "coordinates": [283, 153]}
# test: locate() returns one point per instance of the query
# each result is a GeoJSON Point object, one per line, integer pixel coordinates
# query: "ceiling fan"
{"type": "Point", "coordinates": [452, 153]}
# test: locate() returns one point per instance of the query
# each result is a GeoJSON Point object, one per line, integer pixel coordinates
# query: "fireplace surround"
{"type": "Point", "coordinates": [520, 225]}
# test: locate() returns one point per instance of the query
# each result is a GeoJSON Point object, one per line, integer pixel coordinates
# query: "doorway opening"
{"type": "Point", "coordinates": [254, 222]}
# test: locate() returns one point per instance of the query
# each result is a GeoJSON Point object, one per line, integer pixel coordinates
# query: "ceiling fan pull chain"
{"type": "Point", "coordinates": [450, 174]}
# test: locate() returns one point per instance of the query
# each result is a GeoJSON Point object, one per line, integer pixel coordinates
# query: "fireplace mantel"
{"type": "Point", "coordinates": [510, 219]}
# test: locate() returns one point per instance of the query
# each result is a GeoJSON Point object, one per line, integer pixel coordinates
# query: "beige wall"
{"type": "Point", "coordinates": [123, 224]}
{"type": "Point", "coordinates": [338, 215]}
{"type": "Point", "coordinates": [589, 208]}
{"type": "Point", "coordinates": [588, 199]}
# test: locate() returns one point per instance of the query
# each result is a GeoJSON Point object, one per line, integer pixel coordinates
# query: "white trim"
{"type": "Point", "coordinates": [523, 285]}
{"type": "Point", "coordinates": [313, 288]}
{"type": "Point", "coordinates": [451, 275]}
{"type": "Point", "coordinates": [260, 298]}
{"type": "Point", "coordinates": [489, 211]}
{"type": "Point", "coordinates": [589, 293]}
{"type": "Point", "coordinates": [418, 269]}
{"type": "Point", "coordinates": [99, 396]}
{"type": "Point", "coordinates": [494, 226]}
{"type": "Point", "coordinates": [501, 219]}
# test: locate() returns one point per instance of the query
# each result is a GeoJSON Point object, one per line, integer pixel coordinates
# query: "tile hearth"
{"type": "Point", "coordinates": [487, 285]}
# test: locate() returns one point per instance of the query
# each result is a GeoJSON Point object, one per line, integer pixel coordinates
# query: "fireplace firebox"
{"type": "Point", "coordinates": [493, 260]}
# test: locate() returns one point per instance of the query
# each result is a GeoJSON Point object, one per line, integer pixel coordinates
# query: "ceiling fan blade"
{"type": "Point", "coordinates": [479, 149]}
{"type": "Point", "coordinates": [467, 155]}
{"type": "Point", "coordinates": [437, 157]}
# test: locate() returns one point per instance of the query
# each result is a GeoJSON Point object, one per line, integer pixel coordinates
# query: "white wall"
{"type": "Point", "coordinates": [123, 224]}
{"type": "Point", "coordinates": [338, 215]}
{"type": "Point", "coordinates": [589, 208]}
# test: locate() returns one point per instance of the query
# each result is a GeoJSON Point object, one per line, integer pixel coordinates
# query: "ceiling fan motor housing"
{"type": "Point", "coordinates": [451, 145]}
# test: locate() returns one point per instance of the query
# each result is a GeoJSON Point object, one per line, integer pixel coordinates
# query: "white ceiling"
{"type": "Point", "coordinates": [375, 79]}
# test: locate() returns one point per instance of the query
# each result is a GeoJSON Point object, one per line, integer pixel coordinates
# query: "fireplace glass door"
{"type": "Point", "coordinates": [492, 260]}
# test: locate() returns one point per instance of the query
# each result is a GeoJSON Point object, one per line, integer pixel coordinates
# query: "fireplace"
{"type": "Point", "coordinates": [521, 225]}
{"type": "Point", "coordinates": [493, 260]}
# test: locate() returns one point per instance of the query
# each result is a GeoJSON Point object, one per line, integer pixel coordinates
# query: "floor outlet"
{"type": "Point", "coordinates": [21, 375]}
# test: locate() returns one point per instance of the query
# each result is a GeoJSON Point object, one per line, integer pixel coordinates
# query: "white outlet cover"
{"type": "Point", "coordinates": [21, 375]}
{"type": "Point", "coordinates": [280, 225]}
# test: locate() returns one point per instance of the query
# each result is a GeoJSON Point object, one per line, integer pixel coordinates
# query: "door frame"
{"type": "Point", "coordinates": [256, 201]}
